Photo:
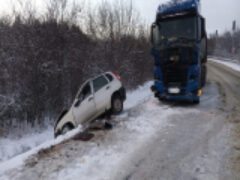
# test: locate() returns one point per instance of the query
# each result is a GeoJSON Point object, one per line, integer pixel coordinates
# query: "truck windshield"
{"type": "Point", "coordinates": [185, 28]}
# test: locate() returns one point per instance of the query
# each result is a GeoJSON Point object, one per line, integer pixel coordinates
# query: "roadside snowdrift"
{"type": "Point", "coordinates": [11, 147]}
{"type": "Point", "coordinates": [232, 64]}
{"type": "Point", "coordinates": [14, 152]}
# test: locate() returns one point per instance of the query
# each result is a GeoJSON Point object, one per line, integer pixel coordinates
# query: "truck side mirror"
{"type": "Point", "coordinates": [155, 34]}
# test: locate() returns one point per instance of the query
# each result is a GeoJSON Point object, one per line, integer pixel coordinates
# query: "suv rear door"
{"type": "Point", "coordinates": [84, 107]}
{"type": "Point", "coordinates": [101, 87]}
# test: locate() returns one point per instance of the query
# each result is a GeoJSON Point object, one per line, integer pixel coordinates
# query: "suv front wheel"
{"type": "Point", "coordinates": [117, 105]}
{"type": "Point", "coordinates": [66, 128]}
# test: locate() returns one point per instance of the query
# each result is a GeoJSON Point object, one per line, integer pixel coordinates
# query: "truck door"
{"type": "Point", "coordinates": [84, 107]}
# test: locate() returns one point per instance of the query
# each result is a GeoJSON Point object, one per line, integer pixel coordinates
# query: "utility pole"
{"type": "Point", "coordinates": [233, 37]}
{"type": "Point", "coordinates": [216, 43]}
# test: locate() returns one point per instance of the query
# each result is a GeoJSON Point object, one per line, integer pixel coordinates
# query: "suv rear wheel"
{"type": "Point", "coordinates": [117, 105]}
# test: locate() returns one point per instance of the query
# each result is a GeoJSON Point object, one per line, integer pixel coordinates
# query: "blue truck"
{"type": "Point", "coordinates": [179, 48]}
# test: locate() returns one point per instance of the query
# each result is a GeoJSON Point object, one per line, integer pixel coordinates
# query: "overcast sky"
{"type": "Point", "coordinates": [219, 14]}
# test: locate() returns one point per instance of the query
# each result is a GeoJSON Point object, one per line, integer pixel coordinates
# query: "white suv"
{"type": "Point", "coordinates": [95, 97]}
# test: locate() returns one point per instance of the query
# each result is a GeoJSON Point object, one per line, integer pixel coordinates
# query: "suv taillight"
{"type": "Point", "coordinates": [117, 76]}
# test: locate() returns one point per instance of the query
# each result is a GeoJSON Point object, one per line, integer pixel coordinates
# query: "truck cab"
{"type": "Point", "coordinates": [179, 48]}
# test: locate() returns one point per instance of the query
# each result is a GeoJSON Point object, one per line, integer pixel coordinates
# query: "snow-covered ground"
{"type": "Point", "coordinates": [142, 117]}
{"type": "Point", "coordinates": [234, 64]}
{"type": "Point", "coordinates": [13, 146]}
{"type": "Point", "coordinates": [34, 143]}
{"type": "Point", "coordinates": [145, 118]}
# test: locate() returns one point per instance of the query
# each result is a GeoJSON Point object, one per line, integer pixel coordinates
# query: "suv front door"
{"type": "Point", "coordinates": [84, 107]}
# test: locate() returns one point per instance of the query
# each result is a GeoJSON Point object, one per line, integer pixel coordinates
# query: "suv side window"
{"type": "Point", "coordinates": [99, 82]}
{"type": "Point", "coordinates": [109, 76]}
{"type": "Point", "coordinates": [85, 92]}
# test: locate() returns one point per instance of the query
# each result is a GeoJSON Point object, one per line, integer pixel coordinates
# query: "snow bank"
{"type": "Point", "coordinates": [19, 160]}
{"type": "Point", "coordinates": [235, 66]}
{"type": "Point", "coordinates": [11, 147]}
{"type": "Point", "coordinates": [138, 96]}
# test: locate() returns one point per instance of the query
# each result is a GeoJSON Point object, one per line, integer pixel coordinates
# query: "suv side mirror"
{"type": "Point", "coordinates": [155, 34]}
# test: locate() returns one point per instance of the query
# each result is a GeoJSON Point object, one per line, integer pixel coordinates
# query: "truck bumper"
{"type": "Point", "coordinates": [184, 95]}
{"type": "Point", "coordinates": [187, 97]}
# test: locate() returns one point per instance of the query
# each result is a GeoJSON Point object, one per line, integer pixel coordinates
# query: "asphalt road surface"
{"type": "Point", "coordinates": [202, 145]}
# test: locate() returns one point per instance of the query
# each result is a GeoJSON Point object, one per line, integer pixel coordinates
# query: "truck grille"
{"type": "Point", "coordinates": [185, 56]}
{"type": "Point", "coordinates": [175, 75]}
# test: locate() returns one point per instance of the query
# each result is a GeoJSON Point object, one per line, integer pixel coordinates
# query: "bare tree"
{"type": "Point", "coordinates": [44, 59]}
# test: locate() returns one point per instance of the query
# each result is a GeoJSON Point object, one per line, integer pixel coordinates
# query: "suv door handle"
{"type": "Point", "coordinates": [90, 99]}
{"type": "Point", "coordinates": [107, 87]}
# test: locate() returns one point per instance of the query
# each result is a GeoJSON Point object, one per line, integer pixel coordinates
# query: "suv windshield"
{"type": "Point", "coordinates": [184, 27]}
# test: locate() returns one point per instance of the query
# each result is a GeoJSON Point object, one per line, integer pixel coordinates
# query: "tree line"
{"type": "Point", "coordinates": [44, 59]}
{"type": "Point", "coordinates": [225, 45]}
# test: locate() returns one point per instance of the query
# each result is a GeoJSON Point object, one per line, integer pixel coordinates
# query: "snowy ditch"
{"type": "Point", "coordinates": [142, 118]}
{"type": "Point", "coordinates": [33, 141]}
{"type": "Point", "coordinates": [12, 146]}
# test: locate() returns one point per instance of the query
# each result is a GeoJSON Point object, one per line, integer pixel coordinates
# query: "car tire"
{"type": "Point", "coordinates": [66, 128]}
{"type": "Point", "coordinates": [116, 105]}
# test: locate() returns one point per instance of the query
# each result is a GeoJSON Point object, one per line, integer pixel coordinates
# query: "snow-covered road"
{"type": "Point", "coordinates": [151, 140]}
